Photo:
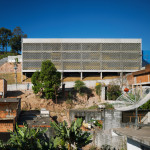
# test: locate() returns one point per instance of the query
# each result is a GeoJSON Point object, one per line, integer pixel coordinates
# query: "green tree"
{"type": "Point", "coordinates": [98, 89]}
{"type": "Point", "coordinates": [47, 81]}
{"type": "Point", "coordinates": [113, 91]}
{"type": "Point", "coordinates": [79, 86]}
{"type": "Point", "coordinates": [73, 135]}
{"type": "Point", "coordinates": [15, 41]}
{"type": "Point", "coordinates": [5, 35]}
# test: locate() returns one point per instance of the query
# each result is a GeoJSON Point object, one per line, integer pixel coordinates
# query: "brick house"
{"type": "Point", "coordinates": [3, 88]}
{"type": "Point", "coordinates": [141, 77]}
{"type": "Point", "coordinates": [9, 112]}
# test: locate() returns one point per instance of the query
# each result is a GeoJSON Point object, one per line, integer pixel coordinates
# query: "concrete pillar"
{"type": "Point", "coordinates": [61, 75]}
{"type": "Point", "coordinates": [81, 75]}
{"type": "Point", "coordinates": [21, 77]}
{"type": "Point", "coordinates": [101, 75]}
{"type": "Point", "coordinates": [103, 93]}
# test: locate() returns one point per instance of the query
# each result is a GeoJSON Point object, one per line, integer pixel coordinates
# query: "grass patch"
{"type": "Point", "coordinates": [108, 106]}
{"type": "Point", "coordinates": [93, 107]}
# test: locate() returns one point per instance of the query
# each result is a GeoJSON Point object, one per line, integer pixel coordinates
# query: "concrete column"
{"type": "Point", "coordinates": [21, 77]}
{"type": "Point", "coordinates": [61, 75]}
{"type": "Point", "coordinates": [103, 93]}
{"type": "Point", "coordinates": [101, 75]}
{"type": "Point", "coordinates": [81, 75]}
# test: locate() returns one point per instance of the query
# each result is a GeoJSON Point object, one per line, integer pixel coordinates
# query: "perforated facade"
{"type": "Point", "coordinates": [83, 55]}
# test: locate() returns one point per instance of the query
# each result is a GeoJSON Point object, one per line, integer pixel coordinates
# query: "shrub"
{"type": "Point", "coordinates": [79, 86]}
{"type": "Point", "coordinates": [113, 92]}
{"type": "Point", "coordinates": [98, 89]}
{"type": "Point", "coordinates": [145, 106]}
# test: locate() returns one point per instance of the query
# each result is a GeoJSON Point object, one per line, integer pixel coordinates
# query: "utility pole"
{"type": "Point", "coordinates": [15, 67]}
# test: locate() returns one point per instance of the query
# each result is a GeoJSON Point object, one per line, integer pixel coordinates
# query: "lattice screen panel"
{"type": "Point", "coordinates": [32, 46]}
{"type": "Point", "coordinates": [83, 56]}
{"type": "Point", "coordinates": [51, 46]}
{"type": "Point", "coordinates": [111, 66]}
{"type": "Point", "coordinates": [71, 47]}
{"type": "Point", "coordinates": [131, 56]}
{"type": "Point", "coordinates": [32, 65]}
{"type": "Point", "coordinates": [58, 64]}
{"type": "Point", "coordinates": [91, 66]}
{"type": "Point", "coordinates": [111, 47]}
{"type": "Point", "coordinates": [110, 56]}
{"type": "Point", "coordinates": [90, 46]}
{"type": "Point", "coordinates": [91, 56]}
{"type": "Point", "coordinates": [131, 46]}
{"type": "Point", "coordinates": [55, 56]}
{"type": "Point", "coordinates": [31, 56]}
{"type": "Point", "coordinates": [46, 56]}
{"type": "Point", "coordinates": [130, 65]}
{"type": "Point", "coordinates": [71, 56]}
{"type": "Point", "coordinates": [71, 66]}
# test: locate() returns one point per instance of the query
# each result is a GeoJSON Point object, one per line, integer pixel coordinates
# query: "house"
{"type": "Point", "coordinates": [9, 112]}
{"type": "Point", "coordinates": [3, 88]}
{"type": "Point", "coordinates": [141, 77]}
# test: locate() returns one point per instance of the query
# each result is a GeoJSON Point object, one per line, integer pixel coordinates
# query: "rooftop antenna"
{"type": "Point", "coordinates": [132, 99]}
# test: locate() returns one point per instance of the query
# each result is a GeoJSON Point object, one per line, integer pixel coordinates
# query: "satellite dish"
{"type": "Point", "coordinates": [132, 99]}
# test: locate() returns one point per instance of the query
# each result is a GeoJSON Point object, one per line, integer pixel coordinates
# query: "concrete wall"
{"type": "Point", "coordinates": [12, 87]}
{"type": "Point", "coordinates": [111, 119]}
{"type": "Point", "coordinates": [91, 84]}
{"type": "Point", "coordinates": [12, 58]}
{"type": "Point", "coordinates": [105, 137]}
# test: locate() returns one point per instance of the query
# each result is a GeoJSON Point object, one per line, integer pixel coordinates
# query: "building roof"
{"type": "Point", "coordinates": [79, 40]}
{"type": "Point", "coordinates": [33, 118]}
{"type": "Point", "coordinates": [141, 135]}
{"type": "Point", "coordinates": [146, 70]}
{"type": "Point", "coordinates": [8, 100]}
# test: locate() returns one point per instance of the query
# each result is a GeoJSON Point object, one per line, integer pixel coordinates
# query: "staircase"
{"type": "Point", "coordinates": [146, 119]}
{"type": "Point", "coordinates": [3, 61]}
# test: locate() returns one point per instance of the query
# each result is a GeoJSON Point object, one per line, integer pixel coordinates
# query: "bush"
{"type": "Point", "coordinates": [79, 86]}
{"type": "Point", "coordinates": [113, 92]}
{"type": "Point", "coordinates": [98, 89]}
{"type": "Point", "coordinates": [145, 106]}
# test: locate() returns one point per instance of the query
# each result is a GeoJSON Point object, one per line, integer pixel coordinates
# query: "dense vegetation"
{"type": "Point", "coordinates": [25, 138]}
{"type": "Point", "coordinates": [47, 81]}
{"type": "Point", "coordinates": [12, 39]}
{"type": "Point", "coordinates": [113, 91]}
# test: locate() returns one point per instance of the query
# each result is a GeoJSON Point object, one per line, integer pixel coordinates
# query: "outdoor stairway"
{"type": "Point", "coordinates": [146, 118]}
